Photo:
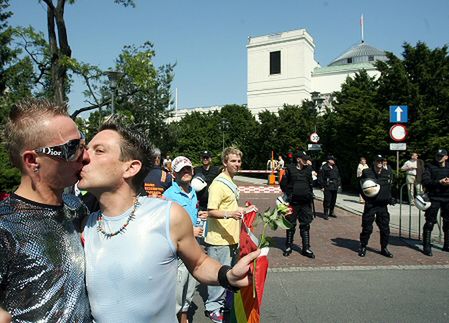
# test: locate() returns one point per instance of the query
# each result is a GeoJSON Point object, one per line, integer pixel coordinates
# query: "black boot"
{"type": "Point", "coordinates": [426, 242]}
{"type": "Point", "coordinates": [332, 213]}
{"type": "Point", "coordinates": [385, 252]}
{"type": "Point", "coordinates": [362, 250]}
{"type": "Point", "coordinates": [288, 242]}
{"type": "Point", "coordinates": [305, 235]}
{"type": "Point", "coordinates": [326, 214]}
{"type": "Point", "coordinates": [446, 241]}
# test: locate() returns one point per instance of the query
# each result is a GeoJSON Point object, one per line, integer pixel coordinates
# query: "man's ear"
{"type": "Point", "coordinates": [30, 162]}
{"type": "Point", "coordinates": [132, 168]}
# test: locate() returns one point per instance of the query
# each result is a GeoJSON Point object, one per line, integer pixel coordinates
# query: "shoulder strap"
{"type": "Point", "coordinates": [231, 186]}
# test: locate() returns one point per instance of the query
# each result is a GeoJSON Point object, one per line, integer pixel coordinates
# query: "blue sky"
{"type": "Point", "coordinates": [207, 39]}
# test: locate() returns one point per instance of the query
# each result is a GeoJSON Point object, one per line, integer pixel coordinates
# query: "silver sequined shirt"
{"type": "Point", "coordinates": [42, 261]}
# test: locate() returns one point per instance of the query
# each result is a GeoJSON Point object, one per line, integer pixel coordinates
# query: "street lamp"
{"type": "Point", "coordinates": [114, 77]}
{"type": "Point", "coordinates": [224, 125]}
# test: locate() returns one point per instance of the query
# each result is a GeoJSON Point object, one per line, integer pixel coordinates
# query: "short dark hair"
{"type": "Point", "coordinates": [25, 129]}
{"type": "Point", "coordinates": [133, 146]}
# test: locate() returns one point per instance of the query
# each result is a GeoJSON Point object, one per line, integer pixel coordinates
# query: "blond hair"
{"type": "Point", "coordinates": [24, 128]}
{"type": "Point", "coordinates": [230, 151]}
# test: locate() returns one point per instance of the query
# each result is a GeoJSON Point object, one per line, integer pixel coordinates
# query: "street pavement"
{"type": "Point", "coordinates": [338, 285]}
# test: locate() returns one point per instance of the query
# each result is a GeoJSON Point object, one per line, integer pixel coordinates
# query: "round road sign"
{"type": "Point", "coordinates": [314, 137]}
{"type": "Point", "coordinates": [398, 132]}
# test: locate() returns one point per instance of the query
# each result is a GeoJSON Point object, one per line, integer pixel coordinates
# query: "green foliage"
{"type": "Point", "coordinates": [233, 125]}
{"type": "Point", "coordinates": [421, 81]}
{"type": "Point", "coordinates": [197, 132]}
{"type": "Point", "coordinates": [295, 124]}
{"type": "Point", "coordinates": [38, 56]}
{"type": "Point", "coordinates": [15, 83]}
{"type": "Point", "coordinates": [150, 88]}
{"type": "Point", "coordinates": [9, 176]}
{"type": "Point", "coordinates": [356, 127]}
{"type": "Point", "coordinates": [273, 219]}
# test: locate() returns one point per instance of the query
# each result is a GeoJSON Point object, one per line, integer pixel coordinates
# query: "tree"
{"type": "Point", "coordinates": [233, 125]}
{"type": "Point", "coordinates": [295, 124]}
{"type": "Point", "coordinates": [357, 126]}
{"type": "Point", "coordinates": [59, 48]}
{"type": "Point", "coordinates": [6, 53]}
{"type": "Point", "coordinates": [143, 94]}
{"type": "Point", "coordinates": [420, 80]}
{"type": "Point", "coordinates": [197, 132]}
{"type": "Point", "coordinates": [240, 132]}
{"type": "Point", "coordinates": [266, 138]}
{"type": "Point", "coordinates": [14, 84]}
{"type": "Point", "coordinates": [145, 91]}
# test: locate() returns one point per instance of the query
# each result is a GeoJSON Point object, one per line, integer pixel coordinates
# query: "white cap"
{"type": "Point", "coordinates": [179, 163]}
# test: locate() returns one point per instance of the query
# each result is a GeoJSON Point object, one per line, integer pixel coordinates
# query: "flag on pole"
{"type": "Point", "coordinates": [244, 305]}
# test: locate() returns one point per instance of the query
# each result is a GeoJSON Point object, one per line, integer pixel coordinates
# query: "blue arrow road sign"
{"type": "Point", "coordinates": [399, 113]}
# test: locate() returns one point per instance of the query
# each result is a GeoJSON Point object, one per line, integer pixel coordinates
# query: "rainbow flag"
{"type": "Point", "coordinates": [245, 308]}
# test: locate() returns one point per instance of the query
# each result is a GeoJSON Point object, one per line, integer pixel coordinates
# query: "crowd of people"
{"type": "Point", "coordinates": [150, 230]}
{"type": "Point", "coordinates": [428, 185]}
{"type": "Point", "coordinates": [58, 263]}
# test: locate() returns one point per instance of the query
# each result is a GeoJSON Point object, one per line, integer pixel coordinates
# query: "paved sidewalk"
{"type": "Point", "coordinates": [335, 243]}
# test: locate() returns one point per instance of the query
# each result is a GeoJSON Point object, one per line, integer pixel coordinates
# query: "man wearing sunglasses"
{"type": "Point", "coordinates": [41, 256]}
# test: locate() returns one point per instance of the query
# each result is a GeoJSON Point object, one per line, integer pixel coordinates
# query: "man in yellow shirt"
{"type": "Point", "coordinates": [223, 222]}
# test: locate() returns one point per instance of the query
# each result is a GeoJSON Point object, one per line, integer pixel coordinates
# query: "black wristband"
{"type": "Point", "coordinates": [223, 279]}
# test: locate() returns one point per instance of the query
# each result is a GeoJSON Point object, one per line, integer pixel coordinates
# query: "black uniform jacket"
{"type": "Point", "coordinates": [329, 177]}
{"type": "Point", "coordinates": [208, 175]}
{"type": "Point", "coordinates": [431, 181]}
{"type": "Point", "coordinates": [297, 184]}
{"type": "Point", "coordinates": [384, 179]}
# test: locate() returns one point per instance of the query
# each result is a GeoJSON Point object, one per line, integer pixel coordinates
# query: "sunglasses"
{"type": "Point", "coordinates": [206, 157]}
{"type": "Point", "coordinates": [69, 151]}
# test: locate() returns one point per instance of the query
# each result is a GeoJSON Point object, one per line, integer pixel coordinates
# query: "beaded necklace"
{"type": "Point", "coordinates": [100, 221]}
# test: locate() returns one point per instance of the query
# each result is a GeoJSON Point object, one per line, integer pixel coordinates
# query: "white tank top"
{"type": "Point", "coordinates": [131, 277]}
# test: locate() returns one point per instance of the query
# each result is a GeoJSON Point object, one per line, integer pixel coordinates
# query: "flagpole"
{"type": "Point", "coordinates": [361, 27]}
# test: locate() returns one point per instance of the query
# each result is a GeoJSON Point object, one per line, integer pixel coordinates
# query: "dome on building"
{"type": "Point", "coordinates": [362, 53]}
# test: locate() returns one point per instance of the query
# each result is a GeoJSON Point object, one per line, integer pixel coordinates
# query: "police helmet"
{"type": "Point", "coordinates": [198, 183]}
{"type": "Point", "coordinates": [280, 200]}
{"type": "Point", "coordinates": [422, 202]}
{"type": "Point", "coordinates": [370, 187]}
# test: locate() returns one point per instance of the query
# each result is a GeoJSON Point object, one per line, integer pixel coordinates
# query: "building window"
{"type": "Point", "coordinates": [275, 62]}
{"type": "Point", "coordinates": [371, 58]}
{"type": "Point", "coordinates": [349, 60]}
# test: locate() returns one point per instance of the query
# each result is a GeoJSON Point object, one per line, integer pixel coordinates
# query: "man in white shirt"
{"type": "Point", "coordinates": [132, 243]}
{"type": "Point", "coordinates": [414, 168]}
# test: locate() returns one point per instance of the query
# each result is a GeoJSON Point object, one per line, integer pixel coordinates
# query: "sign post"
{"type": "Point", "coordinates": [314, 138]}
{"type": "Point", "coordinates": [398, 113]}
{"type": "Point", "coordinates": [398, 132]}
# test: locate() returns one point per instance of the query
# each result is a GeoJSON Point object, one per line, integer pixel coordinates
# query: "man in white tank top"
{"type": "Point", "coordinates": [131, 244]}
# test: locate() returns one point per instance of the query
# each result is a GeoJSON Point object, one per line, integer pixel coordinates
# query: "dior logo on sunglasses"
{"type": "Point", "coordinates": [51, 152]}
{"type": "Point", "coordinates": [69, 151]}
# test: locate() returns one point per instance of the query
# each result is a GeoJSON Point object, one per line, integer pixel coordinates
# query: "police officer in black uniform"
{"type": "Point", "coordinates": [376, 207]}
{"type": "Point", "coordinates": [329, 180]}
{"type": "Point", "coordinates": [435, 180]}
{"type": "Point", "coordinates": [297, 185]}
{"type": "Point", "coordinates": [208, 172]}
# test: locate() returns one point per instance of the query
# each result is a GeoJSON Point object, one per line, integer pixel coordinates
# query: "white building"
{"type": "Point", "coordinates": [178, 114]}
{"type": "Point", "coordinates": [282, 70]}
